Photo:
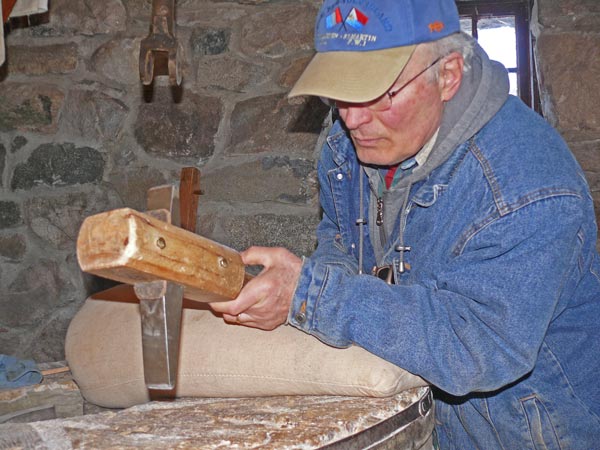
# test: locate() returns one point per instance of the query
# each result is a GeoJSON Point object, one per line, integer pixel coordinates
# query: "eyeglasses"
{"type": "Point", "coordinates": [384, 102]}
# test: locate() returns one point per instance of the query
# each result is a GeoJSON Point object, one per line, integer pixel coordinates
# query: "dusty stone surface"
{"type": "Point", "coordinates": [2, 163]}
{"type": "Point", "coordinates": [89, 17]}
{"type": "Point", "coordinates": [230, 73]}
{"type": "Point", "coordinates": [18, 143]}
{"type": "Point", "coordinates": [577, 74]}
{"type": "Point", "coordinates": [293, 232]}
{"type": "Point", "coordinates": [278, 30]}
{"type": "Point", "coordinates": [276, 179]}
{"type": "Point", "coordinates": [132, 183]}
{"type": "Point", "coordinates": [32, 294]}
{"type": "Point", "coordinates": [42, 60]}
{"type": "Point", "coordinates": [264, 124]}
{"type": "Point", "coordinates": [580, 15]}
{"type": "Point", "coordinates": [210, 41]}
{"type": "Point", "coordinates": [93, 115]}
{"type": "Point", "coordinates": [266, 423]}
{"type": "Point", "coordinates": [10, 214]}
{"type": "Point", "coordinates": [59, 165]}
{"type": "Point", "coordinates": [57, 220]}
{"type": "Point", "coordinates": [30, 107]}
{"type": "Point", "coordinates": [12, 246]}
{"type": "Point", "coordinates": [292, 72]}
{"type": "Point", "coordinates": [118, 60]}
{"type": "Point", "coordinates": [182, 132]}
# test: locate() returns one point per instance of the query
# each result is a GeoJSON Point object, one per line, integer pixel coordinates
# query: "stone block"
{"type": "Point", "coordinates": [30, 107]}
{"type": "Point", "coordinates": [42, 60]}
{"type": "Point", "coordinates": [32, 295]}
{"type": "Point", "coordinates": [13, 246]}
{"type": "Point", "coordinates": [229, 73]}
{"type": "Point", "coordinates": [210, 41]}
{"type": "Point", "coordinates": [279, 30]}
{"type": "Point", "coordinates": [93, 115]}
{"type": "Point", "coordinates": [132, 183]}
{"type": "Point", "coordinates": [57, 220]}
{"type": "Point", "coordinates": [2, 163]}
{"type": "Point", "coordinates": [294, 231]}
{"type": "Point", "coordinates": [588, 156]}
{"type": "Point", "coordinates": [569, 84]}
{"type": "Point", "coordinates": [209, 14]}
{"type": "Point", "coordinates": [118, 60]}
{"type": "Point", "coordinates": [88, 17]}
{"type": "Point", "coordinates": [183, 132]}
{"type": "Point", "coordinates": [10, 214]}
{"type": "Point", "coordinates": [569, 15]}
{"type": "Point", "coordinates": [59, 165]}
{"type": "Point", "coordinates": [277, 179]}
{"type": "Point", "coordinates": [273, 123]}
{"type": "Point", "coordinates": [292, 72]}
{"type": "Point", "coordinates": [18, 143]}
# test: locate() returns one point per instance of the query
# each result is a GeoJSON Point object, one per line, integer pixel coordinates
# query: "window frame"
{"type": "Point", "coordinates": [521, 10]}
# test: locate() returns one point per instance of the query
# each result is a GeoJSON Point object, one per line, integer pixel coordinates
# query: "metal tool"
{"type": "Point", "coordinates": [160, 53]}
{"type": "Point", "coordinates": [161, 301]}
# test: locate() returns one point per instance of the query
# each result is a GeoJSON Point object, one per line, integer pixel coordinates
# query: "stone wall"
{"type": "Point", "coordinates": [567, 54]}
{"type": "Point", "coordinates": [79, 135]}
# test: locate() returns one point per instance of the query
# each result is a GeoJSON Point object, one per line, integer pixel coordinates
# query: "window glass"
{"type": "Point", "coordinates": [498, 37]}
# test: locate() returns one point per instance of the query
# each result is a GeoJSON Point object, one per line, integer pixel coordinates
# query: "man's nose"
{"type": "Point", "coordinates": [355, 116]}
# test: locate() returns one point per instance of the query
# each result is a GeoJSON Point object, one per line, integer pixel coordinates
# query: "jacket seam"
{"type": "Point", "coordinates": [489, 175]}
{"type": "Point", "coordinates": [529, 199]}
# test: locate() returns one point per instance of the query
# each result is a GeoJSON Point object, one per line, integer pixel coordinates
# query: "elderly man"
{"type": "Point", "coordinates": [458, 233]}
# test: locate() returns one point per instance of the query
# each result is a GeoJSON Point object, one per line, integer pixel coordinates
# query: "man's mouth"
{"type": "Point", "coordinates": [365, 141]}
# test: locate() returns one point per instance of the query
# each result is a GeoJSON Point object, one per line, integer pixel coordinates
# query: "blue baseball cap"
{"type": "Point", "coordinates": [363, 45]}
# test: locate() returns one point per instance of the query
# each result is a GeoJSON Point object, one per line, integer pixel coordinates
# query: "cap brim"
{"type": "Point", "coordinates": [352, 76]}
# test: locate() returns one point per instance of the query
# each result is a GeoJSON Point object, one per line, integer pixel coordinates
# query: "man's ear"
{"type": "Point", "coordinates": [451, 74]}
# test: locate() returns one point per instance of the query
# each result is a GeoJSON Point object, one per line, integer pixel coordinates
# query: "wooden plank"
{"type": "Point", "coordinates": [131, 247]}
{"type": "Point", "coordinates": [189, 193]}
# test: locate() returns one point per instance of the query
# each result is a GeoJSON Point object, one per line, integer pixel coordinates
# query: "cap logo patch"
{"type": "Point", "coordinates": [355, 18]}
{"type": "Point", "coordinates": [436, 27]}
{"type": "Point", "coordinates": [334, 18]}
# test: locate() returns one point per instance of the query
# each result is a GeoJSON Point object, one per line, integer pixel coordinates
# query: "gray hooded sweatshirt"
{"type": "Point", "coordinates": [483, 91]}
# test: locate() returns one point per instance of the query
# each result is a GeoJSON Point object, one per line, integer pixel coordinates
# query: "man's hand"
{"type": "Point", "coordinates": [265, 301]}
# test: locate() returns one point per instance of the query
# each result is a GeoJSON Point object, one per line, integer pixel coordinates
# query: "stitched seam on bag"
{"type": "Point", "coordinates": [264, 377]}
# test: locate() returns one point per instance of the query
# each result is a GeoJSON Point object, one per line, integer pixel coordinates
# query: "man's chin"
{"type": "Point", "coordinates": [373, 157]}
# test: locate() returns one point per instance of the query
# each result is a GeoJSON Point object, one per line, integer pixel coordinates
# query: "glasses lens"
{"type": "Point", "coordinates": [383, 103]}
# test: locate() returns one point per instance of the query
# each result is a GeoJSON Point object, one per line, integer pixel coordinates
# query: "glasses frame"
{"type": "Point", "coordinates": [391, 93]}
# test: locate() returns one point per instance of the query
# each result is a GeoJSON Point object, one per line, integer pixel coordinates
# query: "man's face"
{"type": "Point", "coordinates": [398, 133]}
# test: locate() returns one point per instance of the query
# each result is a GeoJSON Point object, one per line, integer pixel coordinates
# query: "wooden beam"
{"type": "Point", "coordinates": [131, 247]}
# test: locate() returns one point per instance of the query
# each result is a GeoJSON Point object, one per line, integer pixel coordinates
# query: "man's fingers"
{"type": "Point", "coordinates": [256, 256]}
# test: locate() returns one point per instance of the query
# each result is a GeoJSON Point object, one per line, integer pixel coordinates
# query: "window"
{"type": "Point", "coordinates": [502, 29]}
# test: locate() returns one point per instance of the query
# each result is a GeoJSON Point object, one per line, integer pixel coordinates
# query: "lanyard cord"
{"type": "Point", "coordinates": [361, 221]}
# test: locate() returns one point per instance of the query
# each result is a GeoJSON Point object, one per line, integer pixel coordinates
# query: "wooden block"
{"type": "Point", "coordinates": [132, 247]}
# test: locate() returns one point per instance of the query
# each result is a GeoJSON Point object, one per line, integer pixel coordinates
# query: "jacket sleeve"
{"type": "Point", "coordinates": [481, 326]}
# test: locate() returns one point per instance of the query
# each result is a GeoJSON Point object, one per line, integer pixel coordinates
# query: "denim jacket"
{"type": "Point", "coordinates": [500, 308]}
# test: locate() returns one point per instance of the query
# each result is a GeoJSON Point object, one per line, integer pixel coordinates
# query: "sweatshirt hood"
{"type": "Point", "coordinates": [483, 91]}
